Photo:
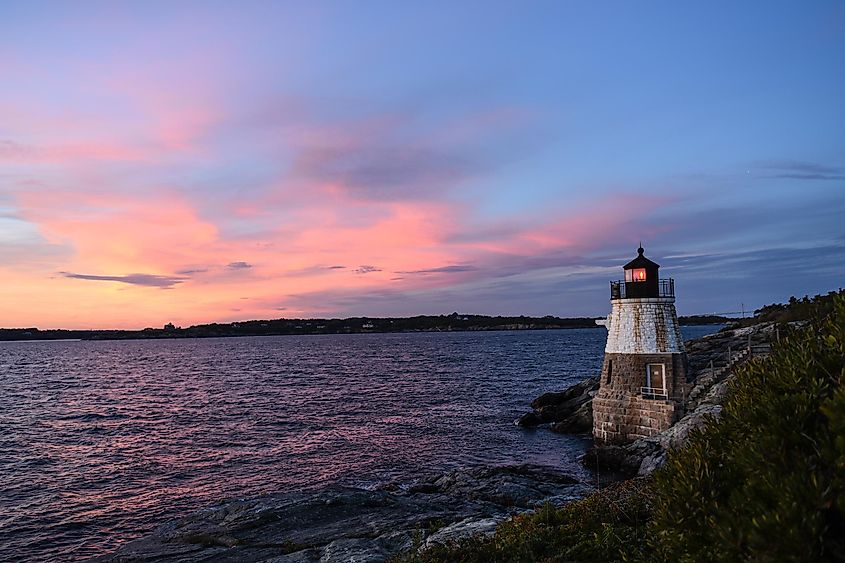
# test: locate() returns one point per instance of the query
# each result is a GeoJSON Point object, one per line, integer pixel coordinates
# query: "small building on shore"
{"type": "Point", "coordinates": [643, 383]}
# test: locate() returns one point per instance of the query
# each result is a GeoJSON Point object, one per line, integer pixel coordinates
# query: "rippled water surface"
{"type": "Point", "coordinates": [102, 441]}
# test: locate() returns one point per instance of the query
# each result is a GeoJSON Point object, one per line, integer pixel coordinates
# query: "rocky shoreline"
{"type": "Point", "coordinates": [371, 525]}
{"type": "Point", "coordinates": [346, 524]}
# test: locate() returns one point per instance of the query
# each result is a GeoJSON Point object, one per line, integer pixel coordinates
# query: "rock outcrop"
{"type": "Point", "coordinates": [569, 411]}
{"type": "Point", "coordinates": [345, 524]}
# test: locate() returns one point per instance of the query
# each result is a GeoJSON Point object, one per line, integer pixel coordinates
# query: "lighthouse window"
{"type": "Point", "coordinates": [635, 275]}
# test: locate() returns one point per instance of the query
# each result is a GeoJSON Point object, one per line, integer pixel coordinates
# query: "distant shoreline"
{"type": "Point", "coordinates": [355, 325]}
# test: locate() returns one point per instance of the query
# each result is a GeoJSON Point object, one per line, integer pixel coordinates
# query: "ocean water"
{"type": "Point", "coordinates": [102, 441]}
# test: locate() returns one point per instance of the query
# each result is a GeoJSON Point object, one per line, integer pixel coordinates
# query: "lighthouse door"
{"type": "Point", "coordinates": [655, 378]}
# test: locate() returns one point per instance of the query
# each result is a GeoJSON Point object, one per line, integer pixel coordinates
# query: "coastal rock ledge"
{"type": "Point", "coordinates": [348, 524]}
{"type": "Point", "coordinates": [569, 411]}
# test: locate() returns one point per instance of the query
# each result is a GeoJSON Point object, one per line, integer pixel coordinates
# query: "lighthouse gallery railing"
{"type": "Point", "coordinates": [665, 288]}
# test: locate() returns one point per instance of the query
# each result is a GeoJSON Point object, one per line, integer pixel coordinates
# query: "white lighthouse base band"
{"type": "Point", "coordinates": [643, 326]}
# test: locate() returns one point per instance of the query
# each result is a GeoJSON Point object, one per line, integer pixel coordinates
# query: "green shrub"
{"type": "Point", "coordinates": [765, 483]}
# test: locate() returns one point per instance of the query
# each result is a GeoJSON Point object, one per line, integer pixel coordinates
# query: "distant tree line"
{"type": "Point", "coordinates": [353, 325]}
{"type": "Point", "coordinates": [421, 323]}
{"type": "Point", "coordinates": [704, 320]}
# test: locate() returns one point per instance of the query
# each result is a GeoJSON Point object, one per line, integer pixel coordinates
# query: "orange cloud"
{"type": "Point", "coordinates": [126, 248]}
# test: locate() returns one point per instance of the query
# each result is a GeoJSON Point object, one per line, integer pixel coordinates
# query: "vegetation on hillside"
{"type": "Point", "coordinates": [795, 309]}
{"type": "Point", "coordinates": [766, 482]}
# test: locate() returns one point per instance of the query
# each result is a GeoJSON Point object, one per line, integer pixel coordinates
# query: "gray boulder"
{"type": "Point", "coordinates": [466, 528]}
{"type": "Point", "coordinates": [570, 411]}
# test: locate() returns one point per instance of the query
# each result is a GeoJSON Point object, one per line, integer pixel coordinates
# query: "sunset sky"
{"type": "Point", "coordinates": [194, 162]}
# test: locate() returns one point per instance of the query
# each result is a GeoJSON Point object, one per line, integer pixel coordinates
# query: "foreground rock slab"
{"type": "Point", "coordinates": [346, 524]}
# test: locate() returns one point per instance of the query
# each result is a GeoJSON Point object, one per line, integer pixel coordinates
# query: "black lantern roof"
{"type": "Point", "coordinates": [640, 262]}
{"type": "Point", "coordinates": [641, 280]}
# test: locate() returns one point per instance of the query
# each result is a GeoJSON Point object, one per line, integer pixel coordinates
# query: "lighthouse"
{"type": "Point", "coordinates": [644, 375]}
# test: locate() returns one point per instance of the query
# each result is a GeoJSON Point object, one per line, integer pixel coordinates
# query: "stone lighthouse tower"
{"type": "Point", "coordinates": [643, 379]}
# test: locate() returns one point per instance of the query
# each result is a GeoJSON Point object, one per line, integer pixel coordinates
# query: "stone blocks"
{"type": "Point", "coordinates": [622, 412]}
{"type": "Point", "coordinates": [625, 418]}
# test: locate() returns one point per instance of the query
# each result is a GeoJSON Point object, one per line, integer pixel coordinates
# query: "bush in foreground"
{"type": "Point", "coordinates": [767, 482]}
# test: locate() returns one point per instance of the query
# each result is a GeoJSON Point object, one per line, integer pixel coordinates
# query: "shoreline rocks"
{"type": "Point", "coordinates": [569, 411]}
{"type": "Point", "coordinates": [342, 524]}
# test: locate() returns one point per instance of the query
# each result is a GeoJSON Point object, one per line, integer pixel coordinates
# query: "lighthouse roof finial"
{"type": "Point", "coordinates": [640, 261]}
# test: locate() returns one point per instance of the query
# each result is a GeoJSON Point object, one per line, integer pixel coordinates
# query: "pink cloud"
{"type": "Point", "coordinates": [76, 152]}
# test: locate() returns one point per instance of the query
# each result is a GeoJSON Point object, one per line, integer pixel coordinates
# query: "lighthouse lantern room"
{"type": "Point", "coordinates": [643, 382]}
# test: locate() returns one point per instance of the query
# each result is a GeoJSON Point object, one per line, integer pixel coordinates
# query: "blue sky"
{"type": "Point", "coordinates": [385, 158]}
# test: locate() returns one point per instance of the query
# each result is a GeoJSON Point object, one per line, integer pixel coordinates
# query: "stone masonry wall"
{"type": "Point", "coordinates": [621, 413]}
{"type": "Point", "coordinates": [624, 419]}
{"type": "Point", "coordinates": [626, 373]}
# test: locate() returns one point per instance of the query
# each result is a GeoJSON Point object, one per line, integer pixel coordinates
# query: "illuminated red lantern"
{"type": "Point", "coordinates": [641, 280]}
